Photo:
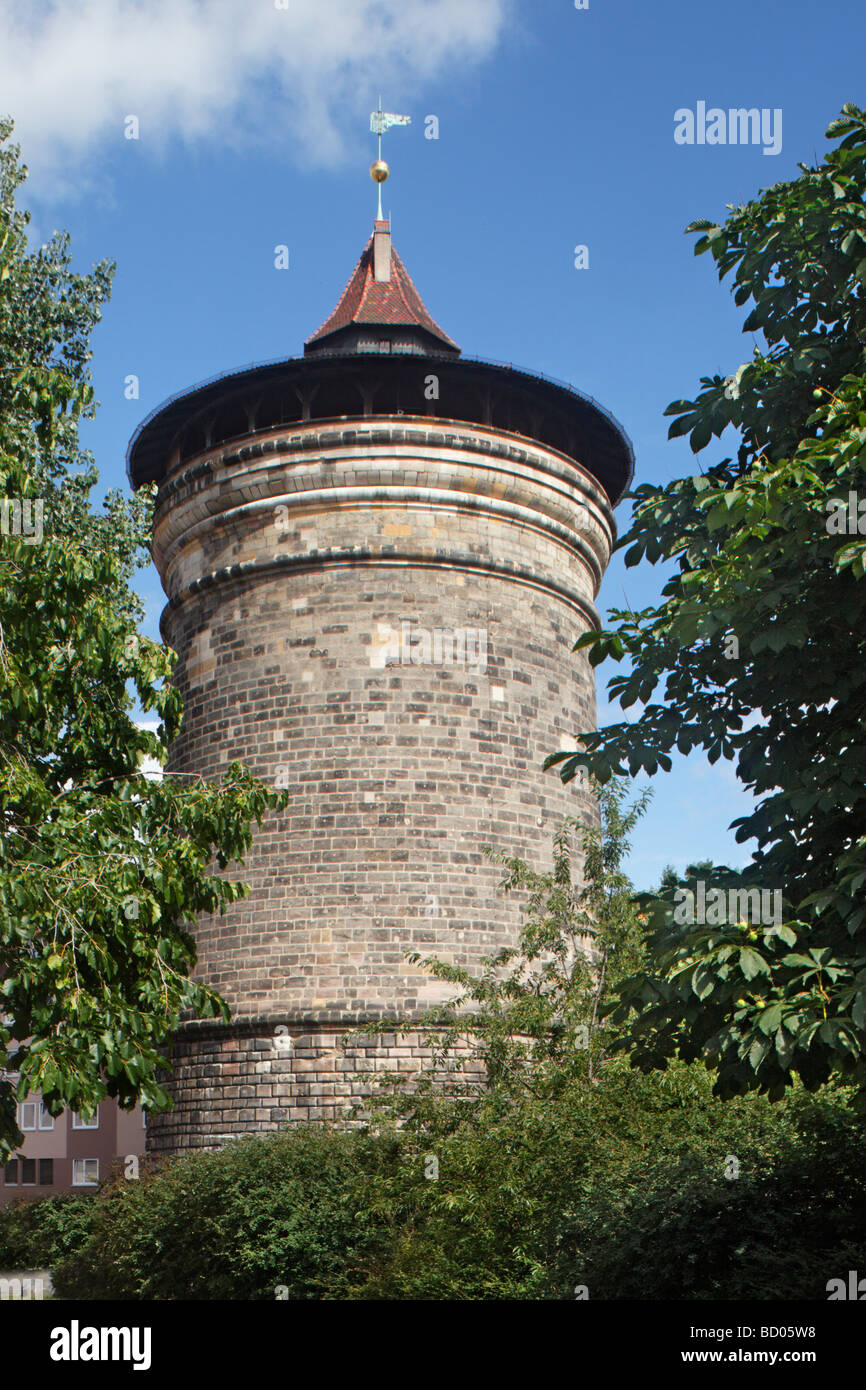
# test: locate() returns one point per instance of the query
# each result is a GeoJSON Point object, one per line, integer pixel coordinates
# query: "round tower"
{"type": "Point", "coordinates": [377, 558]}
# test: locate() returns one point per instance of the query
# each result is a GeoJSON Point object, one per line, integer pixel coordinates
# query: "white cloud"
{"type": "Point", "coordinates": [229, 72]}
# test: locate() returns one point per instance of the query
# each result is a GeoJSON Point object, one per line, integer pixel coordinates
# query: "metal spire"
{"type": "Point", "coordinates": [380, 121]}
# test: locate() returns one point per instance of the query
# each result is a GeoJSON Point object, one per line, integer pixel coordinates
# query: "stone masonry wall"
{"type": "Point", "coordinates": [255, 1077]}
{"type": "Point", "coordinates": [303, 573]}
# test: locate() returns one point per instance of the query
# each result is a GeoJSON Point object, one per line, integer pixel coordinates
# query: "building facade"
{"type": "Point", "coordinates": [69, 1153]}
{"type": "Point", "coordinates": [377, 557]}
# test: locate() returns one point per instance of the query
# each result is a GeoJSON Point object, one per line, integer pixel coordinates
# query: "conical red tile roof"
{"type": "Point", "coordinates": [366, 300]}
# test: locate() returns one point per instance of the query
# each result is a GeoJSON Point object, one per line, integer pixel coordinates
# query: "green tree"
{"type": "Point", "coordinates": [532, 1019]}
{"type": "Point", "coordinates": [101, 868]}
{"type": "Point", "coordinates": [671, 879]}
{"type": "Point", "coordinates": [759, 643]}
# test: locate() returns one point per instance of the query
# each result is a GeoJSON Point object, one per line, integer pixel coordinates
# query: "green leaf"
{"type": "Point", "coordinates": [752, 964]}
{"type": "Point", "coordinates": [700, 436]}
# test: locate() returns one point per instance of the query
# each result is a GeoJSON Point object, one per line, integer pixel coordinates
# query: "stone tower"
{"type": "Point", "coordinates": [377, 558]}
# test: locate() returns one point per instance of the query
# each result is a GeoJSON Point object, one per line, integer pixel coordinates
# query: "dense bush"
{"type": "Point", "coordinates": [623, 1188]}
{"type": "Point", "coordinates": [295, 1209]}
{"type": "Point", "coordinates": [36, 1234]}
{"type": "Point", "coordinates": [620, 1186]}
{"type": "Point", "coordinates": [793, 1218]}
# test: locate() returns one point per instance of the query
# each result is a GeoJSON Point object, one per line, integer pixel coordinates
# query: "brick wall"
{"type": "Point", "coordinates": [303, 570]}
{"type": "Point", "coordinates": [256, 1076]}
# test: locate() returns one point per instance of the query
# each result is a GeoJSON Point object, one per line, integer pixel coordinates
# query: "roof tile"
{"type": "Point", "coordinates": [368, 301]}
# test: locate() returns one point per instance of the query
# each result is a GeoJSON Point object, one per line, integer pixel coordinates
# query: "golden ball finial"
{"type": "Point", "coordinates": [379, 171]}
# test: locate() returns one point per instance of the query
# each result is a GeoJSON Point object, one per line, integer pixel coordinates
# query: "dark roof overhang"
{"type": "Point", "coordinates": [548, 411]}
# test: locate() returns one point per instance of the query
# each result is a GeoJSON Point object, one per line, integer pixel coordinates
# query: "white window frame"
{"type": "Point", "coordinates": [46, 1120]}
{"type": "Point", "coordinates": [22, 1109]}
{"type": "Point", "coordinates": [79, 1172]}
{"type": "Point", "coordinates": [79, 1123]}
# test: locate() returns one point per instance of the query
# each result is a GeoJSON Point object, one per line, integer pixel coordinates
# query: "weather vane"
{"type": "Point", "coordinates": [380, 121]}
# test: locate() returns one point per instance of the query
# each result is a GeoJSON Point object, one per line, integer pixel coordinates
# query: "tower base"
{"type": "Point", "coordinates": [257, 1075]}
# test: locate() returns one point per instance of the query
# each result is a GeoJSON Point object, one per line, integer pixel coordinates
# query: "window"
{"type": "Point", "coordinates": [27, 1115]}
{"type": "Point", "coordinates": [78, 1121]}
{"type": "Point", "coordinates": [143, 1118]}
{"type": "Point", "coordinates": [28, 1171]}
{"type": "Point", "coordinates": [46, 1172]}
{"type": "Point", "coordinates": [12, 1172]}
{"type": "Point", "coordinates": [85, 1172]}
{"type": "Point", "coordinates": [46, 1120]}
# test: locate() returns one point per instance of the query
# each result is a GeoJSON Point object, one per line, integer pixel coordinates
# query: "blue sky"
{"type": "Point", "coordinates": [556, 128]}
